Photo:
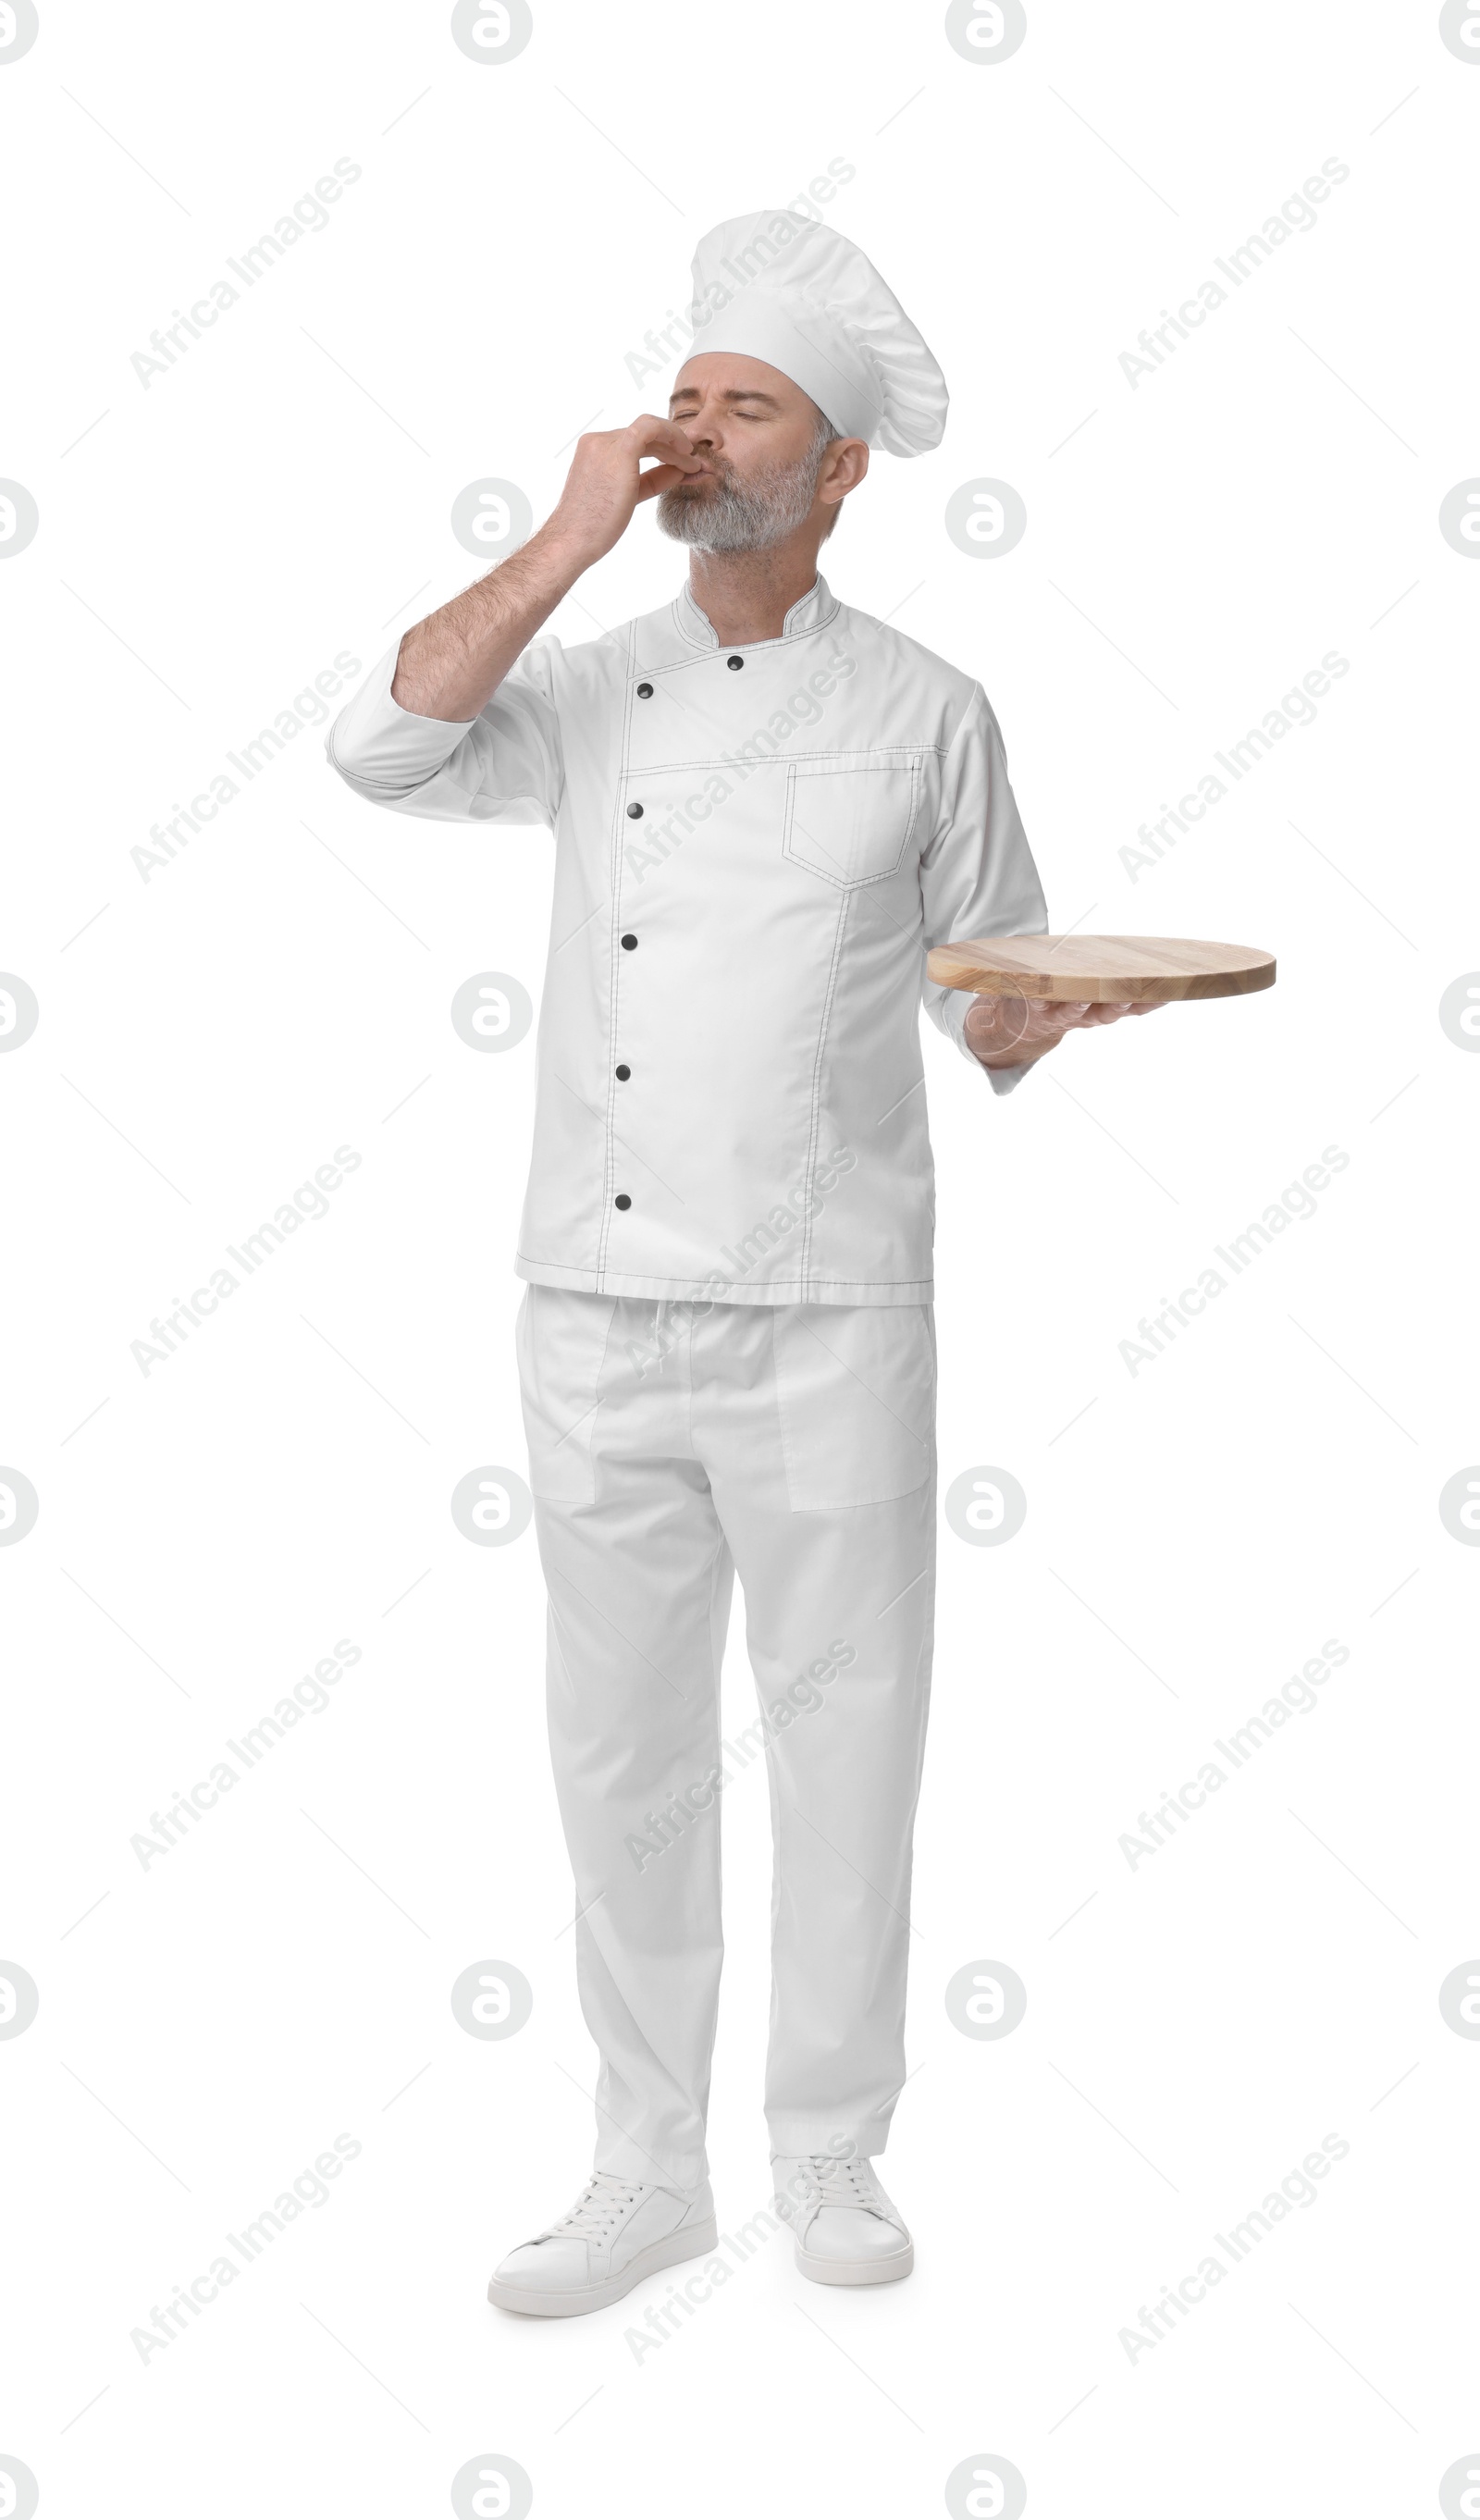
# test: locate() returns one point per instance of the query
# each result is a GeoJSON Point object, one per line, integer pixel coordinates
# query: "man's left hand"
{"type": "Point", "coordinates": [1012, 1032]}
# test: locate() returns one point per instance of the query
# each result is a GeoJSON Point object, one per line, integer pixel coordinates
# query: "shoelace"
{"type": "Point", "coordinates": [842, 2182]}
{"type": "Point", "coordinates": [600, 2206]}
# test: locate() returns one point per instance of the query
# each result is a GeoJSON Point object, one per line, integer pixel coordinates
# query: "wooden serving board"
{"type": "Point", "coordinates": [1102, 969]}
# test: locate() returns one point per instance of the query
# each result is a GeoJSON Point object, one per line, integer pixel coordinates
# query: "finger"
{"type": "Point", "coordinates": [654, 436]}
{"type": "Point", "coordinates": [659, 478]}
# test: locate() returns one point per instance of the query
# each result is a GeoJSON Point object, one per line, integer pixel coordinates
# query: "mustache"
{"type": "Point", "coordinates": [739, 514]}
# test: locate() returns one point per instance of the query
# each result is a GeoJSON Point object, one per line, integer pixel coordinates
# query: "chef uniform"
{"type": "Point", "coordinates": [726, 1344]}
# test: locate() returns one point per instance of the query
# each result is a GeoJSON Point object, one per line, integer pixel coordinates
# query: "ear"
{"type": "Point", "coordinates": [847, 461]}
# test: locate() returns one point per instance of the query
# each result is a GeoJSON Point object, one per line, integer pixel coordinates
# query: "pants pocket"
{"type": "Point", "coordinates": [561, 1340]}
{"type": "Point", "coordinates": [855, 1388]}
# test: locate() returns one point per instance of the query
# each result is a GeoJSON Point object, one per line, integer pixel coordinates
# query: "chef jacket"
{"type": "Point", "coordinates": [754, 848]}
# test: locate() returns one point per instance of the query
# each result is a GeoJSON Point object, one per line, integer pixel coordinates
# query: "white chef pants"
{"type": "Point", "coordinates": [669, 1445]}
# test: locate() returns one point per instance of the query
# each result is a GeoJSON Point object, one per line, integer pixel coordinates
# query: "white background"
{"type": "Point", "coordinates": [208, 1036]}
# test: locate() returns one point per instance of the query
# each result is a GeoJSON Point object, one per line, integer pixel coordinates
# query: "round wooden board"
{"type": "Point", "coordinates": [1149, 970]}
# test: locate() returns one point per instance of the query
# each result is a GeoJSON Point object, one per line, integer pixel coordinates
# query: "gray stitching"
{"type": "Point", "coordinates": [817, 1082]}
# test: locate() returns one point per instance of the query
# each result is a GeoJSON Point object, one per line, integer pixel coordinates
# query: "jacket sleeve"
{"type": "Point", "coordinates": [506, 765]}
{"type": "Point", "coordinates": [976, 872]}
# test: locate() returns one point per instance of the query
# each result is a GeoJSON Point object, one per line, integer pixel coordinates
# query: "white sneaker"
{"type": "Point", "coordinates": [616, 2232]}
{"type": "Point", "coordinates": [847, 2230]}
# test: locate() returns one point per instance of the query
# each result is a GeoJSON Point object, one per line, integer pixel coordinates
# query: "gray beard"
{"type": "Point", "coordinates": [735, 516]}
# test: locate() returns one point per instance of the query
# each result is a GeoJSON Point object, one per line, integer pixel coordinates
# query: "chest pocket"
{"type": "Point", "coordinates": [851, 822]}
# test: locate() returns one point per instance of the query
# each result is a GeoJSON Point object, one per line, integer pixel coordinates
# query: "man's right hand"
{"type": "Point", "coordinates": [605, 484]}
{"type": "Point", "coordinates": [451, 664]}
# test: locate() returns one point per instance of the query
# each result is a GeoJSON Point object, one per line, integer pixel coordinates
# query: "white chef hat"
{"type": "Point", "coordinates": [803, 299]}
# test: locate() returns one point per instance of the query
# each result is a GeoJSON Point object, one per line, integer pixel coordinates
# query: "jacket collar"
{"type": "Point", "coordinates": [810, 611]}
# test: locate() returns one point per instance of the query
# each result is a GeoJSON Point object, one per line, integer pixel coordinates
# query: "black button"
{"type": "Point", "coordinates": [634, 813]}
{"type": "Point", "coordinates": [734, 663]}
{"type": "Point", "coordinates": [622, 1075]}
{"type": "Point", "coordinates": [631, 943]}
{"type": "Point", "coordinates": [645, 690]}
{"type": "Point", "coordinates": [622, 1201]}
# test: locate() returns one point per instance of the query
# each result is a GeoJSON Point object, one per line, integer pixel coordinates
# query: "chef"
{"type": "Point", "coordinates": [767, 806]}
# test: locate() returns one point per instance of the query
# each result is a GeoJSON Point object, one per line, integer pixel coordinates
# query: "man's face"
{"type": "Point", "coordinates": [761, 442]}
